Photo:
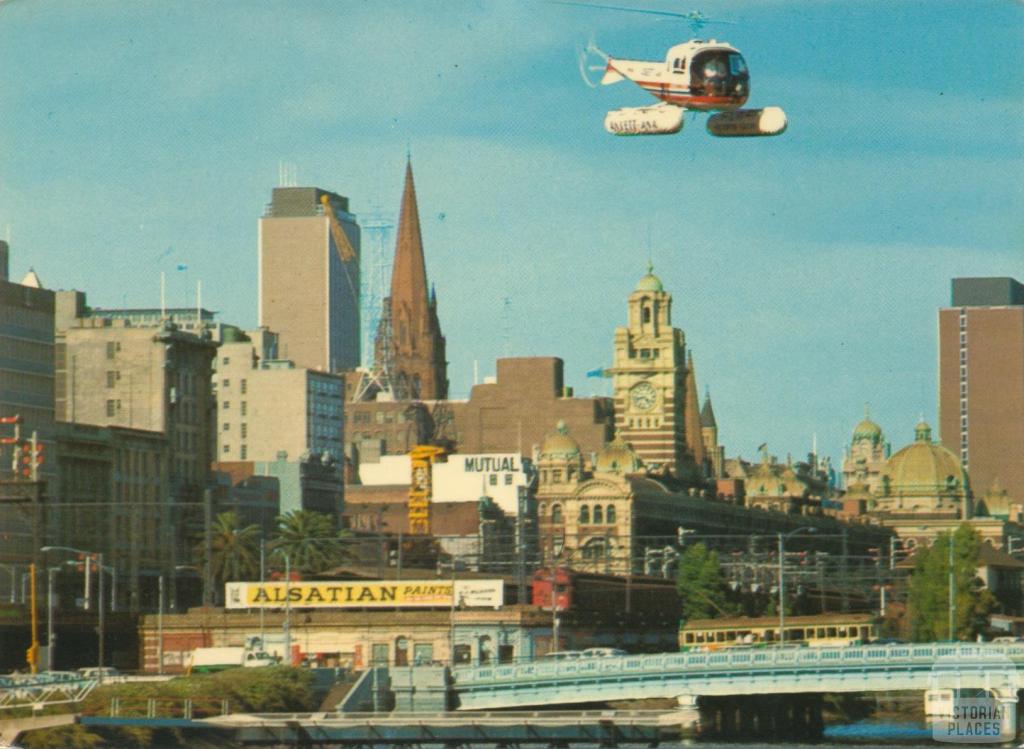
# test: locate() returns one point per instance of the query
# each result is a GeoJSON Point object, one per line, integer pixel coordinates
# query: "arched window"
{"type": "Point", "coordinates": [647, 313]}
{"type": "Point", "coordinates": [556, 513]}
{"type": "Point", "coordinates": [598, 514]}
{"type": "Point", "coordinates": [584, 513]}
{"type": "Point", "coordinates": [542, 508]}
{"type": "Point", "coordinates": [609, 514]}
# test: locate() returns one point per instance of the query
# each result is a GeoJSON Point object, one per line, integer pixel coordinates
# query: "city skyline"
{"type": "Point", "coordinates": [898, 173]}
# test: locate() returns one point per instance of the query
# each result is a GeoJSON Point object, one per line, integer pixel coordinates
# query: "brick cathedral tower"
{"type": "Point", "coordinates": [417, 357]}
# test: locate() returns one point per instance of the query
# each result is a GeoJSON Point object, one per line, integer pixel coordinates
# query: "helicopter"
{"type": "Point", "coordinates": [701, 75]}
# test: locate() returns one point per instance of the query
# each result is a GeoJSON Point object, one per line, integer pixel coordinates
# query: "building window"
{"type": "Point", "coordinates": [598, 514]}
{"type": "Point", "coordinates": [112, 378]}
{"type": "Point", "coordinates": [111, 349]}
{"type": "Point", "coordinates": [244, 452]}
{"type": "Point", "coordinates": [225, 383]}
{"type": "Point", "coordinates": [226, 360]}
{"type": "Point", "coordinates": [111, 408]}
{"type": "Point", "coordinates": [422, 653]}
{"type": "Point", "coordinates": [226, 426]}
{"type": "Point", "coordinates": [226, 449]}
{"type": "Point", "coordinates": [584, 514]}
{"type": "Point", "coordinates": [245, 408]}
{"type": "Point", "coordinates": [243, 386]}
{"type": "Point", "coordinates": [245, 431]}
{"type": "Point", "coordinates": [609, 514]}
{"type": "Point", "coordinates": [492, 480]}
{"type": "Point", "coordinates": [556, 476]}
{"type": "Point", "coordinates": [226, 405]}
{"type": "Point", "coordinates": [508, 479]}
{"type": "Point", "coordinates": [556, 513]}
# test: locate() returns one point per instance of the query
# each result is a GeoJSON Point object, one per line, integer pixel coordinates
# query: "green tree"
{"type": "Point", "coordinates": [928, 598]}
{"type": "Point", "coordinates": [310, 541]}
{"type": "Point", "coordinates": [702, 584]}
{"type": "Point", "coordinates": [235, 550]}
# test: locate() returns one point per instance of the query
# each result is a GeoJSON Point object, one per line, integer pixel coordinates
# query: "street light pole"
{"type": "Point", "coordinates": [160, 626]}
{"type": "Point", "coordinates": [782, 578]}
{"type": "Point", "coordinates": [287, 608]}
{"type": "Point", "coordinates": [102, 623]}
{"type": "Point", "coordinates": [952, 592]}
{"type": "Point", "coordinates": [782, 590]}
{"type": "Point", "coordinates": [89, 555]}
{"type": "Point", "coordinates": [263, 579]}
{"type": "Point", "coordinates": [51, 647]}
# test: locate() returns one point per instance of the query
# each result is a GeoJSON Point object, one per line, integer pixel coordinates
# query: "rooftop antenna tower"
{"type": "Point", "coordinates": [506, 327]}
{"type": "Point", "coordinates": [375, 311]}
{"type": "Point", "coordinates": [287, 174]}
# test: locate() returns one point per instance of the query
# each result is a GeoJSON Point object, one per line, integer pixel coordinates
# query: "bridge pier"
{"type": "Point", "coordinates": [779, 717]}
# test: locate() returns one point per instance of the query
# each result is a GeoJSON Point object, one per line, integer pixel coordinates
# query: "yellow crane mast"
{"type": "Point", "coordinates": [422, 458]}
{"type": "Point", "coordinates": [346, 253]}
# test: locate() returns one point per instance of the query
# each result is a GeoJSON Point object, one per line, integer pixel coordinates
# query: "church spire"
{"type": "Point", "coordinates": [691, 414]}
{"type": "Point", "coordinates": [707, 413]}
{"type": "Point", "coordinates": [418, 358]}
{"type": "Point", "coordinates": [409, 274]}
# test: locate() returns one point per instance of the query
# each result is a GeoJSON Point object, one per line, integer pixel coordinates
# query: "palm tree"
{"type": "Point", "coordinates": [235, 550]}
{"type": "Point", "coordinates": [310, 541]}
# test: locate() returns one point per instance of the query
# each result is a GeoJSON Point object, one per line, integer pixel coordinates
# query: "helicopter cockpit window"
{"type": "Point", "coordinates": [679, 66]}
{"type": "Point", "coordinates": [719, 72]}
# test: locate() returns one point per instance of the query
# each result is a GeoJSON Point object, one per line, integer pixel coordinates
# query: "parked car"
{"type": "Point", "coordinates": [563, 655]}
{"type": "Point", "coordinates": [95, 672]}
{"type": "Point", "coordinates": [603, 652]}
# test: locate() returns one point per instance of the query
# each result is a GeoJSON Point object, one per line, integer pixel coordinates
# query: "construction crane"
{"type": "Point", "coordinates": [422, 458]}
{"type": "Point", "coordinates": [346, 253]}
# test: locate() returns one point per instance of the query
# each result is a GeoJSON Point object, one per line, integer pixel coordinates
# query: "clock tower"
{"type": "Point", "coordinates": [649, 379]}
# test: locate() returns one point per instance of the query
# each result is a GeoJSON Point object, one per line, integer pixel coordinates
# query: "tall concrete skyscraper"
{"type": "Point", "coordinates": [307, 293]}
{"type": "Point", "coordinates": [981, 382]}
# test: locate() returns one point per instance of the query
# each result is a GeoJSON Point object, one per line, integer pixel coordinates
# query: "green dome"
{"type": "Point", "coordinates": [617, 457]}
{"type": "Point", "coordinates": [559, 445]}
{"type": "Point", "coordinates": [867, 430]}
{"type": "Point", "coordinates": [650, 282]}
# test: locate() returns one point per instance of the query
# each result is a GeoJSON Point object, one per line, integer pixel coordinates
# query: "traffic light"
{"type": "Point", "coordinates": [25, 460]}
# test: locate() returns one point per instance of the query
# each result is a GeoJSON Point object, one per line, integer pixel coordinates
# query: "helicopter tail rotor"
{"type": "Point", "coordinates": [591, 60]}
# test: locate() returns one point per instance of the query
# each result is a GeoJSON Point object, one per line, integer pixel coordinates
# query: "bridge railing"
{"type": "Point", "coordinates": [732, 659]}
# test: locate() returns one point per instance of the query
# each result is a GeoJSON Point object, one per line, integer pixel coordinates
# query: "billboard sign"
{"type": "Point", "coordinates": [358, 594]}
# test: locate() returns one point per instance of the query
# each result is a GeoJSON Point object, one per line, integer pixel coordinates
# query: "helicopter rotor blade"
{"type": "Point", "coordinates": [647, 11]}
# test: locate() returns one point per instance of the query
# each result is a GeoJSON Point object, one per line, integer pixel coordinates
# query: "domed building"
{"type": "Point", "coordinates": [924, 477]}
{"type": "Point", "coordinates": [586, 516]}
{"type": "Point", "coordinates": [925, 491]}
{"type": "Point", "coordinates": [864, 462]}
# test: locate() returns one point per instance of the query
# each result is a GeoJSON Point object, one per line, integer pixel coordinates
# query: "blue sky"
{"type": "Point", "coordinates": [806, 269]}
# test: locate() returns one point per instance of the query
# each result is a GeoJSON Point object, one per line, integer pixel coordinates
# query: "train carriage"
{"type": "Point", "coordinates": [819, 630]}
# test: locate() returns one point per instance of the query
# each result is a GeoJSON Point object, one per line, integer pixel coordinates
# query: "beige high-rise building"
{"type": "Point", "coordinates": [267, 406]}
{"type": "Point", "coordinates": [109, 373]}
{"type": "Point", "coordinates": [307, 294]}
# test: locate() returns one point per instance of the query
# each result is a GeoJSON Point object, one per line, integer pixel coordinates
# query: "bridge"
{"type": "Point", "coordinates": [998, 668]}
{"type": "Point", "coordinates": [36, 691]}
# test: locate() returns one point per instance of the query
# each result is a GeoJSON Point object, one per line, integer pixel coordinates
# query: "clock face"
{"type": "Point", "coordinates": [643, 396]}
